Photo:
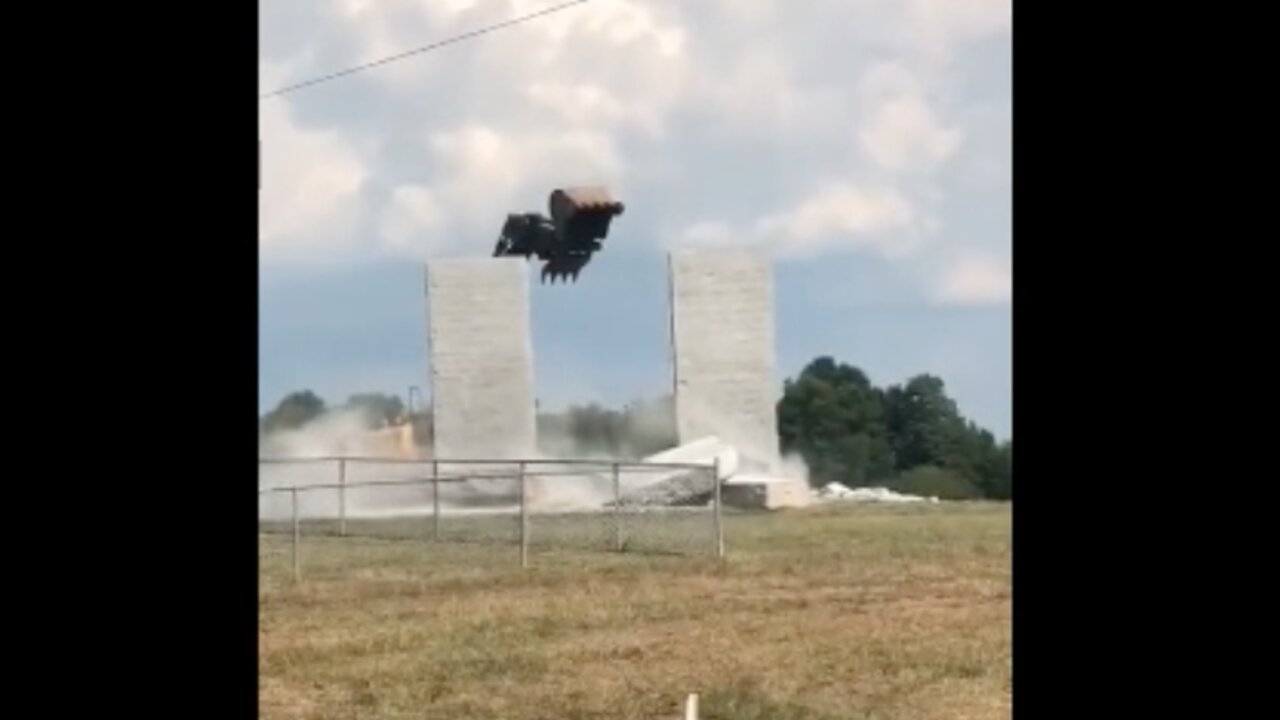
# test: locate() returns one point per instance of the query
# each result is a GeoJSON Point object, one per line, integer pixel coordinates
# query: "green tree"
{"type": "Point", "coordinates": [595, 430]}
{"type": "Point", "coordinates": [933, 481]}
{"type": "Point", "coordinates": [834, 418]}
{"type": "Point", "coordinates": [293, 411]}
{"type": "Point", "coordinates": [997, 472]}
{"type": "Point", "coordinates": [649, 427]}
{"type": "Point", "coordinates": [847, 429]}
{"type": "Point", "coordinates": [641, 428]}
{"type": "Point", "coordinates": [924, 423]}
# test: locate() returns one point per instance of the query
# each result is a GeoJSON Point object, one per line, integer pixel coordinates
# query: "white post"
{"type": "Point", "coordinates": [435, 500]}
{"type": "Point", "coordinates": [617, 509]}
{"type": "Point", "coordinates": [297, 532]}
{"type": "Point", "coordinates": [524, 519]}
{"type": "Point", "coordinates": [715, 470]}
{"type": "Point", "coordinates": [691, 707]}
{"type": "Point", "coordinates": [342, 497]}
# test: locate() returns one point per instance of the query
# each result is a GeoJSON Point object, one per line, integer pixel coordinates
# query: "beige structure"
{"type": "Point", "coordinates": [722, 338]}
{"type": "Point", "coordinates": [760, 493]}
{"type": "Point", "coordinates": [481, 358]}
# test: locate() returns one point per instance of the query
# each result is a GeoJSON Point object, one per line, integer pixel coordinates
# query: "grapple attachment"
{"type": "Point", "coordinates": [579, 221]}
{"type": "Point", "coordinates": [582, 215]}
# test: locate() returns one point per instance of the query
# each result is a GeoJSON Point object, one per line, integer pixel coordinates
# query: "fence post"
{"type": "Point", "coordinates": [524, 519]}
{"type": "Point", "coordinates": [435, 500]}
{"type": "Point", "coordinates": [342, 496]}
{"type": "Point", "coordinates": [297, 532]}
{"type": "Point", "coordinates": [617, 508]}
{"type": "Point", "coordinates": [715, 479]}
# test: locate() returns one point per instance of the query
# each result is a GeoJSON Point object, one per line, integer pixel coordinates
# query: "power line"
{"type": "Point", "coordinates": [420, 50]}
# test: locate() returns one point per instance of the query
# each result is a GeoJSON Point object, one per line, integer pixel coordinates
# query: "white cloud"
{"type": "Point", "coordinates": [618, 23]}
{"type": "Point", "coordinates": [703, 116]}
{"type": "Point", "coordinates": [839, 216]}
{"type": "Point", "coordinates": [414, 220]}
{"type": "Point", "coordinates": [976, 281]}
{"type": "Point", "coordinates": [487, 172]}
{"type": "Point", "coordinates": [839, 212]}
{"type": "Point", "coordinates": [961, 20]}
{"type": "Point", "coordinates": [310, 197]}
{"type": "Point", "coordinates": [904, 132]}
{"type": "Point", "coordinates": [580, 104]}
{"type": "Point", "coordinates": [479, 160]}
{"type": "Point", "coordinates": [592, 106]}
{"type": "Point", "coordinates": [708, 234]}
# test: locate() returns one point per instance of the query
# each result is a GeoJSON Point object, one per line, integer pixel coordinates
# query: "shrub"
{"type": "Point", "coordinates": [932, 481]}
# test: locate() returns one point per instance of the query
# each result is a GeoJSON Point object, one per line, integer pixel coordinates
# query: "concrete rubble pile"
{"type": "Point", "coordinates": [686, 489]}
{"type": "Point", "coordinates": [680, 487]}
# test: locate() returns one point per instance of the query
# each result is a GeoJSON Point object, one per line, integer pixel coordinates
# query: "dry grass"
{"type": "Point", "coordinates": [825, 613]}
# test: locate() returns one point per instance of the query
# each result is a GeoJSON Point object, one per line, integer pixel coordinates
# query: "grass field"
{"type": "Point", "coordinates": [830, 612]}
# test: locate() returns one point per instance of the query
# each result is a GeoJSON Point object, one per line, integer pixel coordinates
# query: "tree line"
{"type": "Point", "coordinates": [910, 437]}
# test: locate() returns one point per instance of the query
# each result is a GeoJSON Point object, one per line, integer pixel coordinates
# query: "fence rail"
{"type": "Point", "coordinates": [473, 462]}
{"type": "Point", "coordinates": [567, 502]}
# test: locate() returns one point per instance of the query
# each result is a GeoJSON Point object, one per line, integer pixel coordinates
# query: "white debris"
{"type": "Point", "coordinates": [840, 491]}
{"type": "Point", "coordinates": [680, 486]}
{"type": "Point", "coordinates": [684, 488]}
{"type": "Point", "coordinates": [756, 479]}
{"type": "Point", "coordinates": [701, 452]}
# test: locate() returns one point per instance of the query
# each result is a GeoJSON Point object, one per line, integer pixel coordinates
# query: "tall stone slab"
{"type": "Point", "coordinates": [481, 358]}
{"type": "Point", "coordinates": [722, 337]}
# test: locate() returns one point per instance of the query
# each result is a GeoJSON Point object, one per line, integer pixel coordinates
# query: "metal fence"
{"type": "Point", "coordinates": [528, 505]}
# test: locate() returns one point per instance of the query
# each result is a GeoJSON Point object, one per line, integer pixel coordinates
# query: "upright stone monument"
{"type": "Point", "coordinates": [722, 337]}
{"type": "Point", "coordinates": [481, 359]}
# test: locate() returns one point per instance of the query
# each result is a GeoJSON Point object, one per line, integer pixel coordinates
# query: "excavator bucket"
{"type": "Point", "coordinates": [582, 215]}
{"type": "Point", "coordinates": [565, 242]}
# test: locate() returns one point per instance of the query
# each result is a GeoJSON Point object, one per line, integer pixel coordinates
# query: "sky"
{"type": "Point", "coordinates": [865, 145]}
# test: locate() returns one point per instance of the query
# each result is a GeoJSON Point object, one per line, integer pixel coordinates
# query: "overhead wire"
{"type": "Point", "coordinates": [419, 50]}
